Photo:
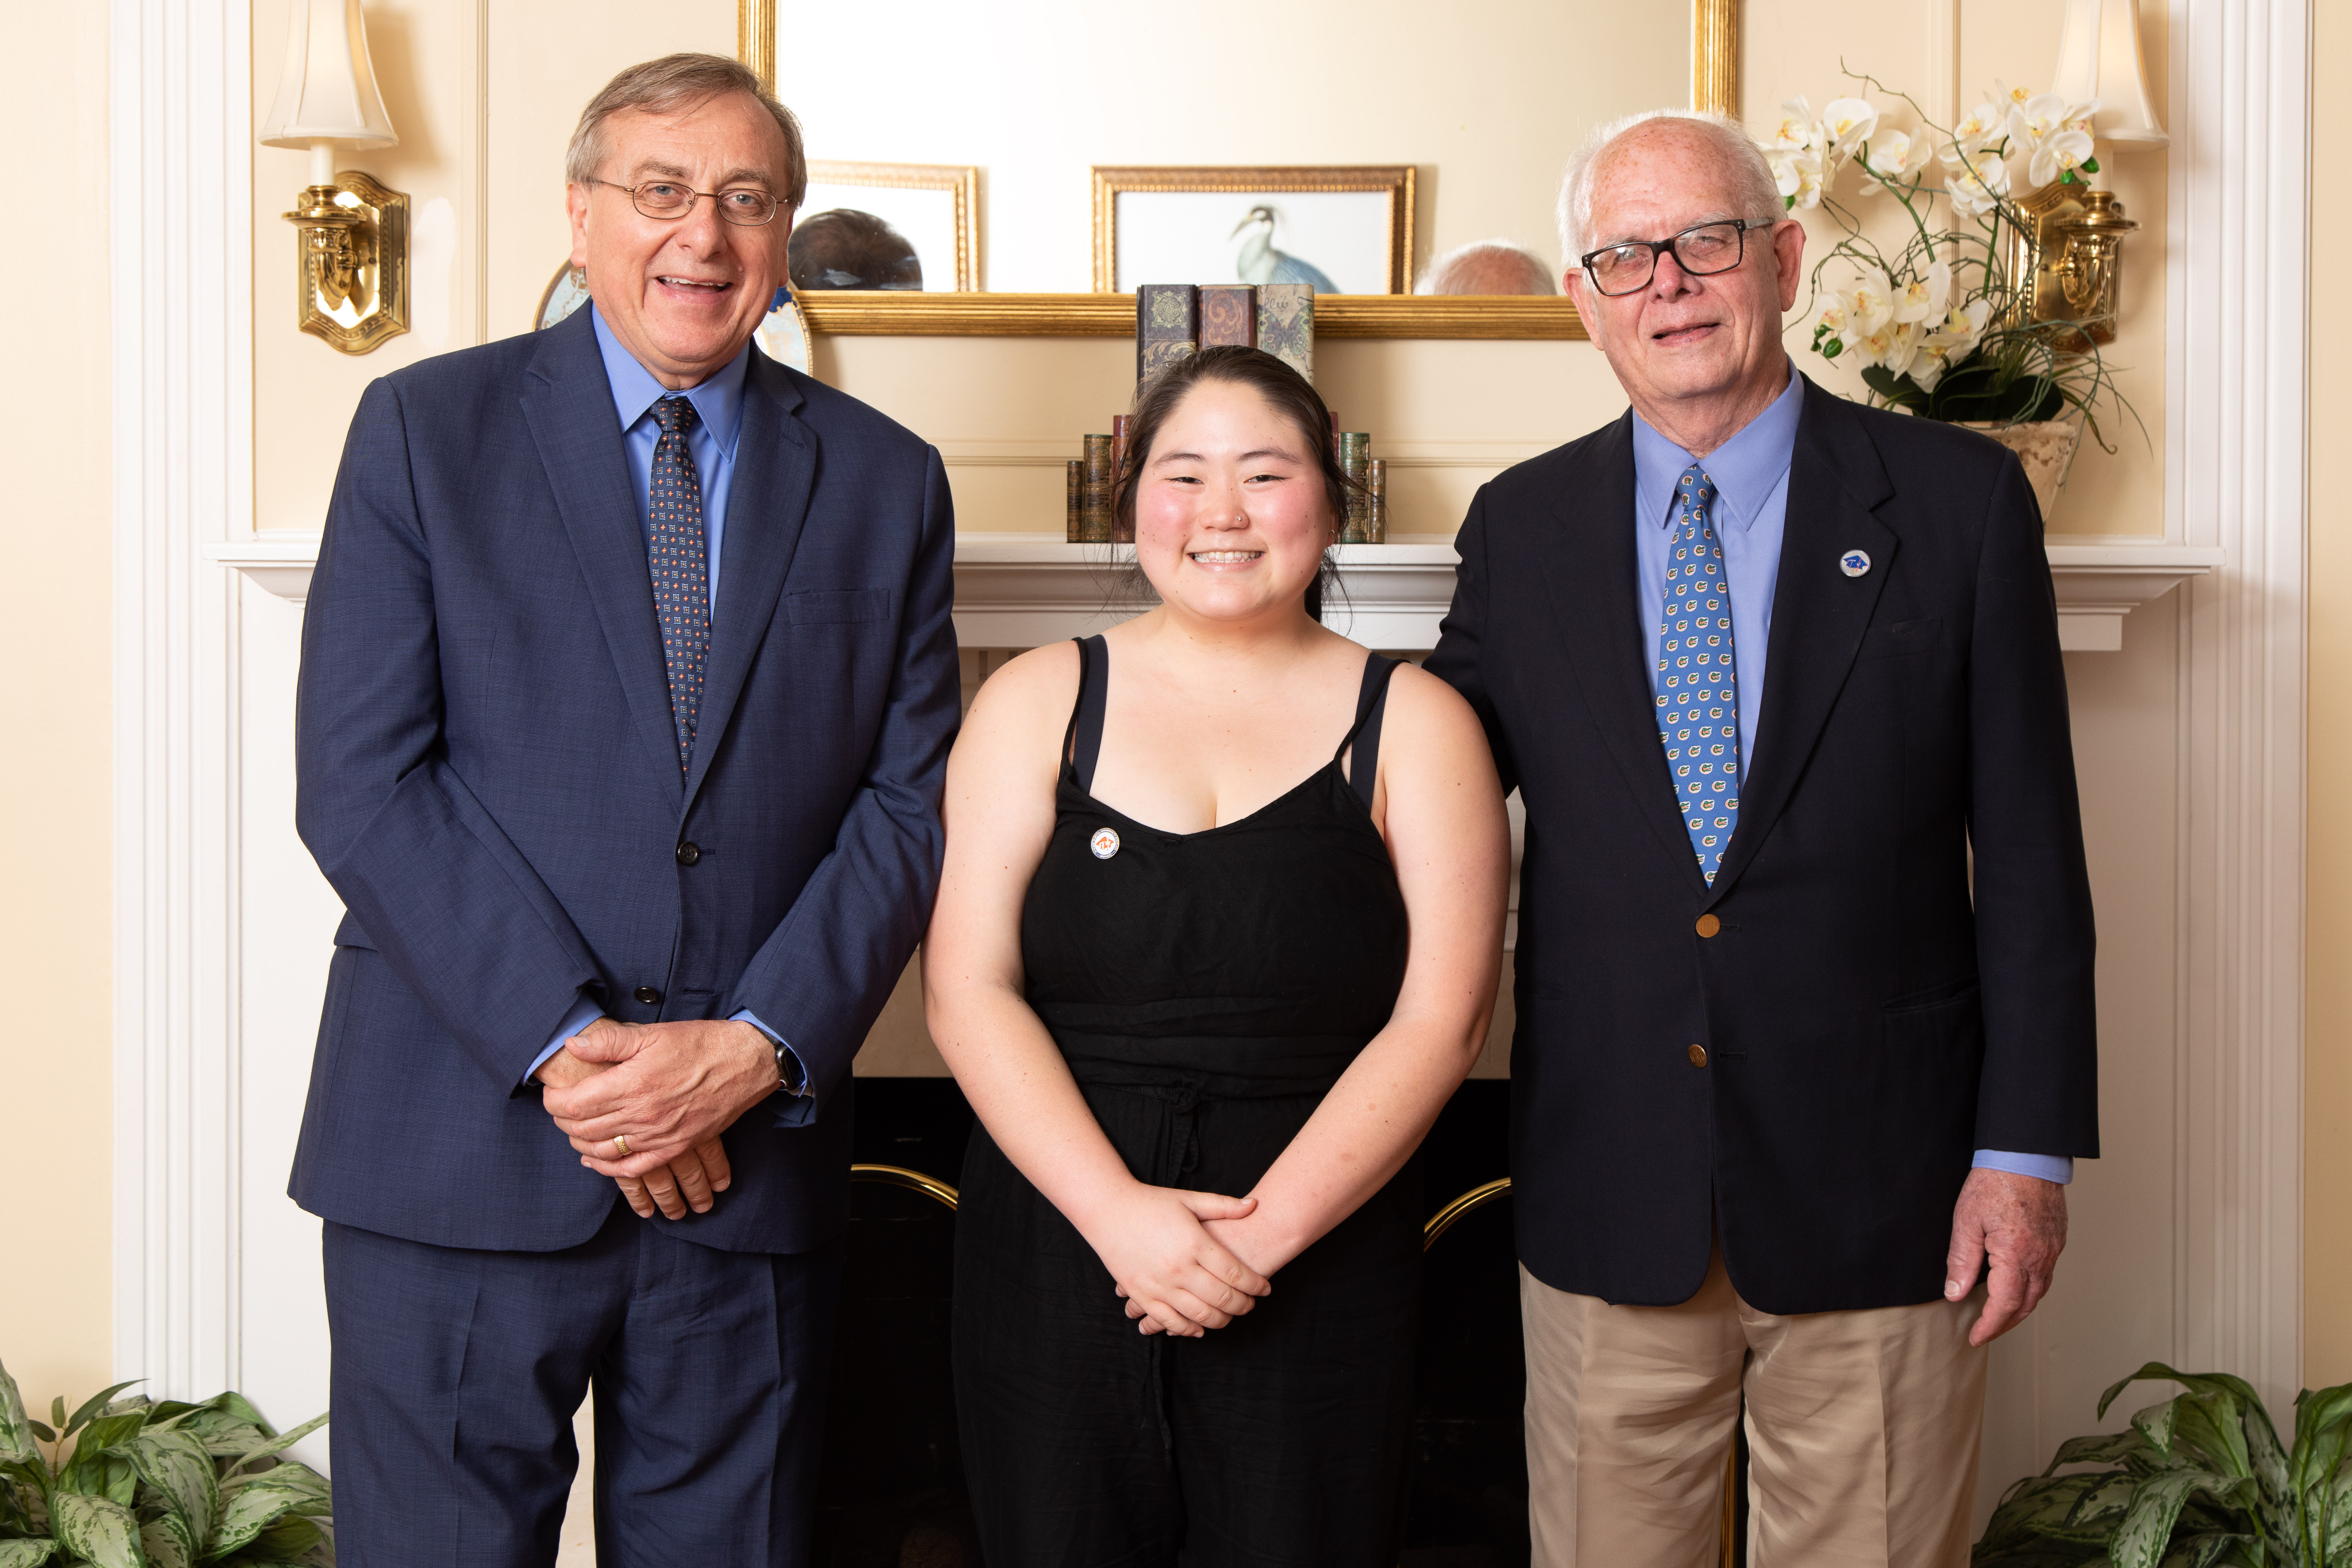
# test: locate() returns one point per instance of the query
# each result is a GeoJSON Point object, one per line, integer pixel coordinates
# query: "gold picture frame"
{"type": "Point", "coordinates": [1393, 181]}
{"type": "Point", "coordinates": [958, 182]}
{"type": "Point", "coordinates": [1714, 87]}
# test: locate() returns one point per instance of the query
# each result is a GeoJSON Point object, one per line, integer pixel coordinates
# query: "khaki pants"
{"type": "Point", "coordinates": [1862, 1430]}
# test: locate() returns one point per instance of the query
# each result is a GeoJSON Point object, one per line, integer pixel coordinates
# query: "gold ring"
{"type": "Point", "coordinates": [621, 1142]}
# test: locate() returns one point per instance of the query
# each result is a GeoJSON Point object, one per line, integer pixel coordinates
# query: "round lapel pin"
{"type": "Point", "coordinates": [1105, 843]}
{"type": "Point", "coordinates": [1854, 562]}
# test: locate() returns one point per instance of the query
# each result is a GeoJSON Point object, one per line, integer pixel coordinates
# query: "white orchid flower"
{"type": "Point", "coordinates": [1836, 311]}
{"type": "Point", "coordinates": [1961, 330]}
{"type": "Point", "coordinates": [2037, 119]}
{"type": "Point", "coordinates": [2059, 152]}
{"type": "Point", "coordinates": [2009, 98]}
{"type": "Point", "coordinates": [2078, 117]}
{"type": "Point", "coordinates": [1887, 155]}
{"type": "Point", "coordinates": [1796, 130]}
{"type": "Point", "coordinates": [1977, 187]}
{"type": "Point", "coordinates": [1848, 123]}
{"type": "Point", "coordinates": [1871, 301]}
{"type": "Point", "coordinates": [1797, 176]}
{"type": "Point", "coordinates": [1978, 128]}
{"type": "Point", "coordinates": [1894, 345]}
{"type": "Point", "coordinates": [1922, 299]}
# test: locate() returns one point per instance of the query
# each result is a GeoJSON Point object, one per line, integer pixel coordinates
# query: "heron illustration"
{"type": "Point", "coordinates": [1259, 262]}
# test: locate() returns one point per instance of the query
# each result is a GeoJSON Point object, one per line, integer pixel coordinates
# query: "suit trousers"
{"type": "Point", "coordinates": [457, 1373]}
{"type": "Point", "coordinates": [1862, 1430]}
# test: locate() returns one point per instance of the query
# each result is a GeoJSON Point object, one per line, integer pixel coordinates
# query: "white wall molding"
{"type": "Point", "coordinates": [178, 95]}
{"type": "Point", "coordinates": [2235, 441]}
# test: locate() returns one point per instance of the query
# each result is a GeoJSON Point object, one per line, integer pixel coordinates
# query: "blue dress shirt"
{"type": "Point", "coordinates": [719, 421]}
{"type": "Point", "coordinates": [1750, 473]}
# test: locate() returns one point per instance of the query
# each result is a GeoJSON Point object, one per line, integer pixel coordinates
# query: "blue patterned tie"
{"type": "Point", "coordinates": [680, 569]}
{"type": "Point", "coordinates": [1698, 686]}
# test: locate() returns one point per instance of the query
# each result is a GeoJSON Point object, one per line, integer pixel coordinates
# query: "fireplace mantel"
{"type": "Point", "coordinates": [1024, 590]}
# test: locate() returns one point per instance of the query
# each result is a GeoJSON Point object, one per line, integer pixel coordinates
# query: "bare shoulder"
{"type": "Point", "coordinates": [1426, 716]}
{"type": "Point", "coordinates": [1033, 691]}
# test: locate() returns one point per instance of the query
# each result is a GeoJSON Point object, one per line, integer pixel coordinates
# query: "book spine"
{"type": "Point", "coordinates": [1375, 519]}
{"type": "Point", "coordinates": [1073, 528]}
{"type": "Point", "coordinates": [1093, 505]}
{"type": "Point", "coordinates": [1167, 326]}
{"type": "Point", "coordinates": [1355, 461]}
{"type": "Point", "coordinates": [1229, 315]}
{"type": "Point", "coordinates": [1286, 324]}
{"type": "Point", "coordinates": [1120, 533]}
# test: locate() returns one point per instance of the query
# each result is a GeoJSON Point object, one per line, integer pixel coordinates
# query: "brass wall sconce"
{"type": "Point", "coordinates": [352, 253]}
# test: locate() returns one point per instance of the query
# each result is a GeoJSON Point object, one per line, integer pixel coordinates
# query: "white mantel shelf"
{"type": "Point", "coordinates": [1024, 590]}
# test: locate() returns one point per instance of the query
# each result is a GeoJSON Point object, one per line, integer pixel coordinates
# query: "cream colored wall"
{"type": "Point", "coordinates": [54, 862]}
{"type": "Point", "coordinates": [2328, 998]}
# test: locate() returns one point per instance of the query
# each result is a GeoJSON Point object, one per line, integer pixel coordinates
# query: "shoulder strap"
{"type": "Point", "coordinates": [1082, 743]}
{"type": "Point", "coordinates": [1372, 701]}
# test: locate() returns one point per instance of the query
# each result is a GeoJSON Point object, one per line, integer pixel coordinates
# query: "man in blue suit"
{"type": "Point", "coordinates": [628, 681]}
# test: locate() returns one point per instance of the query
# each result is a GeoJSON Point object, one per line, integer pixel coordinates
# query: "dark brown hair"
{"type": "Point", "coordinates": [1291, 395]}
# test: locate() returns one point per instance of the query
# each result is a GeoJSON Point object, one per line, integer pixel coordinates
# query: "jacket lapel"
{"type": "Point", "coordinates": [1595, 586]}
{"type": "Point", "coordinates": [1819, 614]}
{"type": "Point", "coordinates": [767, 502]}
{"type": "Point", "coordinates": [567, 401]}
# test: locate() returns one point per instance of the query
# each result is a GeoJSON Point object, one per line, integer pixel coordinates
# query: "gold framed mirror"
{"type": "Point", "coordinates": [1713, 84]}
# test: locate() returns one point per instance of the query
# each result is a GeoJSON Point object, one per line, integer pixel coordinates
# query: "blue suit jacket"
{"type": "Point", "coordinates": [489, 777]}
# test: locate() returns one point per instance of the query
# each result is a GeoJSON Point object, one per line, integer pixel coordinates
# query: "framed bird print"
{"type": "Point", "coordinates": [1344, 231]}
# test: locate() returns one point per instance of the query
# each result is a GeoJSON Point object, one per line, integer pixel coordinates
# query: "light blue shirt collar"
{"type": "Point", "coordinates": [718, 401]}
{"type": "Point", "coordinates": [1746, 469]}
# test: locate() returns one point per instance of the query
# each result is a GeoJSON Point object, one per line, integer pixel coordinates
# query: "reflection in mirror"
{"type": "Point", "coordinates": [1485, 99]}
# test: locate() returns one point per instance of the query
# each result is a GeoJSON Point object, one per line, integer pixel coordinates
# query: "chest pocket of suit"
{"type": "Point", "coordinates": [843, 607]}
{"type": "Point", "coordinates": [1897, 638]}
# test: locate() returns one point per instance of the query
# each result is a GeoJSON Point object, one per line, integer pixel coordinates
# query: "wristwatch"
{"type": "Point", "coordinates": [790, 1076]}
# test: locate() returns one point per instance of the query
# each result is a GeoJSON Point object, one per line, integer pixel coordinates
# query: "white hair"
{"type": "Point", "coordinates": [1488, 266]}
{"type": "Point", "coordinates": [1753, 187]}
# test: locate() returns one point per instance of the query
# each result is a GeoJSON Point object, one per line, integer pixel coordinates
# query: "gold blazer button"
{"type": "Point", "coordinates": [1708, 925]}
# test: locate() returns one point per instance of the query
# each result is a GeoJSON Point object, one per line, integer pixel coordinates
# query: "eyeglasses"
{"type": "Point", "coordinates": [1701, 251]}
{"type": "Point", "coordinates": [747, 206]}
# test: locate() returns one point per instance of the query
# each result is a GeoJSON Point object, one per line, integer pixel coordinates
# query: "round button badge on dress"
{"type": "Point", "coordinates": [1105, 843]}
{"type": "Point", "coordinates": [1854, 562]}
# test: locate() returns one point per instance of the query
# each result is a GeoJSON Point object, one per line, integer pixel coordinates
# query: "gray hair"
{"type": "Point", "coordinates": [667, 86]}
{"type": "Point", "coordinates": [1753, 187]}
{"type": "Point", "coordinates": [1488, 266]}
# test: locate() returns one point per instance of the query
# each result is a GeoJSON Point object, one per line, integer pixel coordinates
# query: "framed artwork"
{"type": "Point", "coordinates": [909, 227]}
{"type": "Point", "coordinates": [1345, 229]}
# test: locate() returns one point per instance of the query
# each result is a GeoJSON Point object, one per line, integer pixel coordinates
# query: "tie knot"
{"type": "Point", "coordinates": [675, 415]}
{"type": "Point", "coordinates": [1696, 487]}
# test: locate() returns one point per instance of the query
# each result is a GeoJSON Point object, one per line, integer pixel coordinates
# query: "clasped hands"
{"type": "Point", "coordinates": [670, 1089]}
{"type": "Point", "coordinates": [1176, 1256]}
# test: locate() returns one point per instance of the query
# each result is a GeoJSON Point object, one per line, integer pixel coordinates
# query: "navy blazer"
{"type": "Point", "coordinates": [1864, 1024]}
{"type": "Point", "coordinates": [489, 777]}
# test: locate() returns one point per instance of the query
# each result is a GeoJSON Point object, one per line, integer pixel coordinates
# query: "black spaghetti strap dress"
{"type": "Point", "coordinates": [1206, 989]}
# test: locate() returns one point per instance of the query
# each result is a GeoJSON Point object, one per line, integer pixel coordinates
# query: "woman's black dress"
{"type": "Point", "coordinates": [1207, 989]}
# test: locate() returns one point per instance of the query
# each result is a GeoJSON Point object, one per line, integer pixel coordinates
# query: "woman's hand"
{"type": "Point", "coordinates": [1175, 1277]}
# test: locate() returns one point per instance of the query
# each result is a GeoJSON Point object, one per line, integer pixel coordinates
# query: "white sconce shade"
{"type": "Point", "coordinates": [329, 92]}
{"type": "Point", "coordinates": [2099, 57]}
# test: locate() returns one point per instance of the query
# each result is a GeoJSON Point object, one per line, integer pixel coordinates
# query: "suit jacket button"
{"type": "Point", "coordinates": [688, 852]}
{"type": "Point", "coordinates": [649, 996]}
{"type": "Point", "coordinates": [1699, 1053]}
{"type": "Point", "coordinates": [1708, 926]}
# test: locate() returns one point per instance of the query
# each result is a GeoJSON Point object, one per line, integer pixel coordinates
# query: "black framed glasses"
{"type": "Point", "coordinates": [746, 206]}
{"type": "Point", "coordinates": [1702, 250]}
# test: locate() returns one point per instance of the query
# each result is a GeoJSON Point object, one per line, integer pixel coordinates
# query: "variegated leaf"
{"type": "Point", "coordinates": [282, 1442]}
{"type": "Point", "coordinates": [26, 1553]}
{"type": "Point", "coordinates": [2099, 1448]}
{"type": "Point", "coordinates": [175, 1465]}
{"type": "Point", "coordinates": [2147, 1529]}
{"type": "Point", "coordinates": [2035, 1508]}
{"type": "Point", "coordinates": [2203, 1550]}
{"type": "Point", "coordinates": [94, 1407]}
{"type": "Point", "coordinates": [2156, 1424]}
{"type": "Point", "coordinates": [16, 1427]}
{"type": "Point", "coordinates": [2322, 1423]}
{"type": "Point", "coordinates": [252, 1506]}
{"type": "Point", "coordinates": [165, 1545]}
{"type": "Point", "coordinates": [98, 1531]}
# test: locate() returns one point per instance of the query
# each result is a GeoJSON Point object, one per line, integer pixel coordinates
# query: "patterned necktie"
{"type": "Point", "coordinates": [680, 569]}
{"type": "Point", "coordinates": [1697, 687]}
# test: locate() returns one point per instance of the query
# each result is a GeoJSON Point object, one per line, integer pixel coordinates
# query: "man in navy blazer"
{"type": "Point", "coordinates": [627, 685]}
{"type": "Point", "coordinates": [1805, 1038]}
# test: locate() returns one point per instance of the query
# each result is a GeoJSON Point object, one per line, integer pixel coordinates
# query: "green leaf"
{"type": "Point", "coordinates": [2036, 1507]}
{"type": "Point", "coordinates": [58, 1410]}
{"type": "Point", "coordinates": [2204, 1551]}
{"type": "Point", "coordinates": [177, 1469]}
{"type": "Point", "coordinates": [100, 1531]}
{"type": "Point", "coordinates": [2147, 1530]}
{"type": "Point", "coordinates": [282, 1442]}
{"type": "Point", "coordinates": [2099, 1448]}
{"type": "Point", "coordinates": [26, 1553]}
{"type": "Point", "coordinates": [254, 1504]}
{"type": "Point", "coordinates": [16, 1427]}
{"type": "Point", "coordinates": [94, 1403]}
{"type": "Point", "coordinates": [2090, 165]}
{"type": "Point", "coordinates": [164, 1544]}
{"type": "Point", "coordinates": [2156, 1424]}
{"type": "Point", "coordinates": [42, 1429]}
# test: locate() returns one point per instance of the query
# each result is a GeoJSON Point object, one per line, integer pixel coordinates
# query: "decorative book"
{"type": "Point", "coordinates": [1073, 528]}
{"type": "Point", "coordinates": [1286, 324]}
{"type": "Point", "coordinates": [1229, 315]}
{"type": "Point", "coordinates": [1167, 326]}
{"type": "Point", "coordinates": [1120, 533]}
{"type": "Point", "coordinates": [1355, 461]}
{"type": "Point", "coordinates": [1093, 500]}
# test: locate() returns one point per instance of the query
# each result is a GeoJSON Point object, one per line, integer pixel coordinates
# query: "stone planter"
{"type": "Point", "coordinates": [2046, 447]}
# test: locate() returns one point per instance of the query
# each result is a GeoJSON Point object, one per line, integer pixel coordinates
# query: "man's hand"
{"type": "Point", "coordinates": [669, 1089]}
{"type": "Point", "coordinates": [2018, 1224]}
{"type": "Point", "coordinates": [692, 1181]}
